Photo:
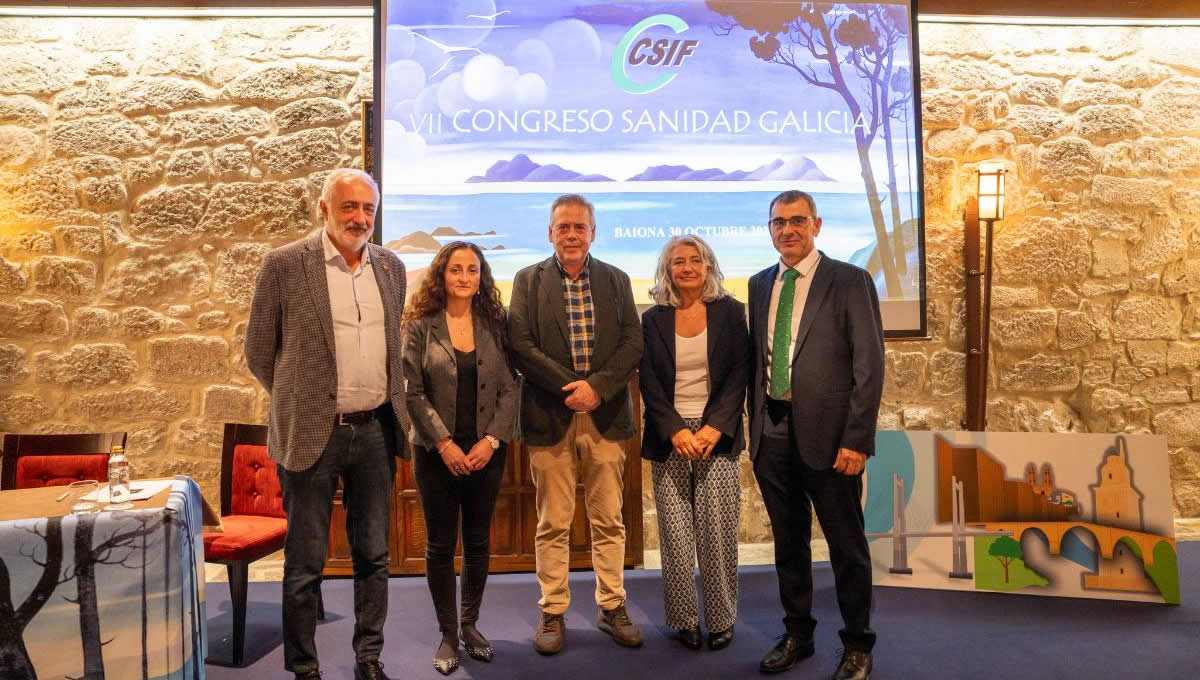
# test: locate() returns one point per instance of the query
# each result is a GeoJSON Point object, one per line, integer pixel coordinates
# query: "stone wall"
{"type": "Point", "coordinates": [146, 166]}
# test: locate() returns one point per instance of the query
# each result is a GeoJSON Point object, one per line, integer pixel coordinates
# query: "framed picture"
{"type": "Point", "coordinates": [368, 137]}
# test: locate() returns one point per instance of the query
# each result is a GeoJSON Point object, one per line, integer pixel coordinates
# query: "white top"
{"type": "Point", "coordinates": [359, 340]}
{"type": "Point", "coordinates": [691, 374]}
{"type": "Point", "coordinates": [805, 268]}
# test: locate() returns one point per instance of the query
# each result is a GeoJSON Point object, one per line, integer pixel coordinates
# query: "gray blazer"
{"type": "Point", "coordinates": [431, 372]}
{"type": "Point", "coordinates": [290, 348]}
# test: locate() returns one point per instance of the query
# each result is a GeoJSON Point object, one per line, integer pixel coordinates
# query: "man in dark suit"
{"type": "Point", "coordinates": [817, 359]}
{"type": "Point", "coordinates": [576, 337]}
{"type": "Point", "coordinates": [324, 340]}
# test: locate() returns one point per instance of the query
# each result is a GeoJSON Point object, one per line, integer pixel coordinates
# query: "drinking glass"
{"type": "Point", "coordinates": [80, 489]}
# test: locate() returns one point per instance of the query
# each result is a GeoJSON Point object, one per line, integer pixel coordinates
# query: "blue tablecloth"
{"type": "Point", "coordinates": [109, 595]}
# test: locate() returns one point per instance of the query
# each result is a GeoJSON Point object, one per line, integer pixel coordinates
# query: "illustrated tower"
{"type": "Point", "coordinates": [1115, 500]}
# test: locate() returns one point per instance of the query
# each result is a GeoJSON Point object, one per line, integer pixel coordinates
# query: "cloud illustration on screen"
{"type": "Point", "coordinates": [487, 81]}
{"type": "Point", "coordinates": [400, 43]}
{"type": "Point", "coordinates": [534, 56]}
{"type": "Point", "coordinates": [572, 41]}
{"type": "Point", "coordinates": [405, 78]}
{"type": "Point", "coordinates": [407, 153]}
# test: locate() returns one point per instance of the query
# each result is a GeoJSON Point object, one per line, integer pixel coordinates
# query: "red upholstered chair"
{"type": "Point", "coordinates": [35, 460]}
{"type": "Point", "coordinates": [252, 516]}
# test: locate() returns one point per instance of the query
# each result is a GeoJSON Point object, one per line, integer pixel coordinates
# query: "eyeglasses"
{"type": "Point", "coordinates": [795, 222]}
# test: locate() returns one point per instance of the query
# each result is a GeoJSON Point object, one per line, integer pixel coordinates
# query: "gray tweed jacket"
{"type": "Point", "coordinates": [290, 348]}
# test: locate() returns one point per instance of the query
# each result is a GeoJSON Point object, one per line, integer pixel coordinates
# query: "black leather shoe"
{"type": "Point", "coordinates": [445, 660]}
{"type": "Point", "coordinates": [690, 637]}
{"type": "Point", "coordinates": [720, 640]}
{"type": "Point", "coordinates": [369, 670]}
{"type": "Point", "coordinates": [785, 654]}
{"type": "Point", "coordinates": [314, 674]}
{"type": "Point", "coordinates": [855, 665]}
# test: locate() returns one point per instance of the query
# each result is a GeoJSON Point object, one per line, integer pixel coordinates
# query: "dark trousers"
{"type": "Point", "coordinates": [788, 487]}
{"type": "Point", "coordinates": [443, 497]}
{"type": "Point", "coordinates": [361, 455]}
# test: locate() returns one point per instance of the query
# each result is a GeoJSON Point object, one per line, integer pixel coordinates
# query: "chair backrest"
{"type": "Point", "coordinates": [249, 482]}
{"type": "Point", "coordinates": [34, 460]}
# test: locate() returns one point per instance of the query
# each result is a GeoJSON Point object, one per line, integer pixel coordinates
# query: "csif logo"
{"type": "Point", "coordinates": [661, 52]}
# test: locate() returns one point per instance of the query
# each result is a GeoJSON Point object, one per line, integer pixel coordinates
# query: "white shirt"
{"type": "Point", "coordinates": [805, 267]}
{"type": "Point", "coordinates": [691, 375]}
{"type": "Point", "coordinates": [359, 338]}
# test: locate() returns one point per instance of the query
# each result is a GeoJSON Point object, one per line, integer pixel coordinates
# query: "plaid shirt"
{"type": "Point", "coordinates": [581, 317]}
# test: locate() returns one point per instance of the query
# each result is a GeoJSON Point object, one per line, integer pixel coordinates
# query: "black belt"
{"type": "Point", "coordinates": [357, 417]}
{"type": "Point", "coordinates": [778, 409]}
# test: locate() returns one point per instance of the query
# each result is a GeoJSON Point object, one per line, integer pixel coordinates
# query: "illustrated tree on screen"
{"type": "Point", "coordinates": [1007, 550]}
{"type": "Point", "coordinates": [822, 43]}
{"type": "Point", "coordinates": [15, 663]}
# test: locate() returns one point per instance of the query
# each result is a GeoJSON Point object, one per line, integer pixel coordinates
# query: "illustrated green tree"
{"type": "Point", "coordinates": [1007, 550]}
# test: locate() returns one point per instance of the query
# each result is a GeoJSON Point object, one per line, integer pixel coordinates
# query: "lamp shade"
{"type": "Point", "coordinates": [991, 191]}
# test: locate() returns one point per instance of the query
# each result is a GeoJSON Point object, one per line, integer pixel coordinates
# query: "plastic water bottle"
{"type": "Point", "coordinates": [118, 480]}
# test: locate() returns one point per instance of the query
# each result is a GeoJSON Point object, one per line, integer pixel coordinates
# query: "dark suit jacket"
{"type": "Point", "coordinates": [289, 348]}
{"type": "Point", "coordinates": [431, 373]}
{"type": "Point", "coordinates": [537, 327]}
{"type": "Point", "coordinates": [837, 367]}
{"type": "Point", "coordinates": [727, 371]}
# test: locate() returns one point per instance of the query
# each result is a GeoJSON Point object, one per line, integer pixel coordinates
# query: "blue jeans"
{"type": "Point", "coordinates": [361, 455]}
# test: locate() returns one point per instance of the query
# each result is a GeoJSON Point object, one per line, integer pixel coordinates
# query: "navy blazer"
{"type": "Point", "coordinates": [727, 369]}
{"type": "Point", "coordinates": [837, 366]}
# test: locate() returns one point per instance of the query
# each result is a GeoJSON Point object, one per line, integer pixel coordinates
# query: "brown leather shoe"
{"type": "Point", "coordinates": [550, 635]}
{"type": "Point", "coordinates": [616, 623]}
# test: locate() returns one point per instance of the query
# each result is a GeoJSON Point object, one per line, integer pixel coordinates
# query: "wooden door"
{"type": "Point", "coordinates": [513, 524]}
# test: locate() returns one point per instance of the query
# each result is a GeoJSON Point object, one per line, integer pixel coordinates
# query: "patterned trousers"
{"type": "Point", "coordinates": [698, 505]}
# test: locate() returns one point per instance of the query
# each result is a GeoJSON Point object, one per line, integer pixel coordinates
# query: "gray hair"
{"type": "Point", "coordinates": [573, 199]}
{"type": "Point", "coordinates": [340, 174]}
{"type": "Point", "coordinates": [792, 196]}
{"type": "Point", "coordinates": [664, 291]}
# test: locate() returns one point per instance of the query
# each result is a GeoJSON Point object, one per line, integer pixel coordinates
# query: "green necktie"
{"type": "Point", "coordinates": [781, 359]}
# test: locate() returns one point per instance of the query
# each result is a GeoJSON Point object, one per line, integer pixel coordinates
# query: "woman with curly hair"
{"type": "Point", "coordinates": [461, 399]}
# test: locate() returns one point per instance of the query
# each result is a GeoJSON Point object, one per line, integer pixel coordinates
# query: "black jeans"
{"type": "Point", "coordinates": [788, 485]}
{"type": "Point", "coordinates": [362, 456]}
{"type": "Point", "coordinates": [442, 497]}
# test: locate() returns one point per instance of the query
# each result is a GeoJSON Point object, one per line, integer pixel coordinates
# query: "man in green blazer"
{"type": "Point", "coordinates": [577, 339]}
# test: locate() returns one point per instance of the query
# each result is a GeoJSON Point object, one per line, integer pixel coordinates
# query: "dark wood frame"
{"type": "Point", "coordinates": [18, 445]}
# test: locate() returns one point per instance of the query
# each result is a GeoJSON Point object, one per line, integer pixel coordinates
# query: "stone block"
{"type": "Point", "coordinates": [18, 146]}
{"type": "Point", "coordinates": [23, 409]}
{"type": "Point", "coordinates": [1174, 106]}
{"type": "Point", "coordinates": [23, 110]}
{"type": "Point", "coordinates": [1074, 330]}
{"type": "Point", "coordinates": [1004, 297]}
{"type": "Point", "coordinates": [1130, 194]}
{"type": "Point", "coordinates": [232, 161]}
{"type": "Point", "coordinates": [143, 400]}
{"type": "Point", "coordinates": [208, 126]}
{"type": "Point", "coordinates": [155, 279]}
{"type": "Point", "coordinates": [12, 279]}
{"type": "Point", "coordinates": [1105, 123]}
{"type": "Point", "coordinates": [1148, 318]}
{"type": "Point", "coordinates": [87, 365]}
{"type": "Point", "coordinates": [1042, 250]}
{"type": "Point", "coordinates": [1041, 373]}
{"type": "Point", "coordinates": [93, 322]}
{"type": "Point", "coordinates": [160, 95]}
{"type": "Point", "coordinates": [1148, 354]}
{"type": "Point", "coordinates": [1109, 258]}
{"type": "Point", "coordinates": [107, 134]}
{"type": "Point", "coordinates": [189, 358]}
{"type": "Point", "coordinates": [1067, 163]}
{"type": "Point", "coordinates": [1080, 93]}
{"type": "Point", "coordinates": [141, 322]}
{"type": "Point", "coordinates": [189, 165]}
{"type": "Point", "coordinates": [237, 271]}
{"type": "Point", "coordinates": [276, 84]}
{"type": "Point", "coordinates": [1181, 425]}
{"type": "Point", "coordinates": [169, 213]}
{"type": "Point", "coordinates": [318, 111]}
{"type": "Point", "coordinates": [904, 373]}
{"type": "Point", "coordinates": [1036, 123]}
{"type": "Point", "coordinates": [229, 403]}
{"type": "Point", "coordinates": [1024, 328]}
{"type": "Point", "coordinates": [13, 368]}
{"type": "Point", "coordinates": [304, 151]}
{"type": "Point", "coordinates": [34, 70]}
{"type": "Point", "coordinates": [947, 373]}
{"type": "Point", "coordinates": [213, 319]}
{"type": "Point", "coordinates": [1163, 390]}
{"type": "Point", "coordinates": [1038, 91]}
{"type": "Point", "coordinates": [1163, 240]}
{"type": "Point", "coordinates": [65, 276]}
{"type": "Point", "coordinates": [275, 209]}
{"type": "Point", "coordinates": [986, 110]}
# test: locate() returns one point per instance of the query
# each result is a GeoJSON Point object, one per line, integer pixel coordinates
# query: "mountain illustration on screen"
{"type": "Point", "coordinates": [424, 242]}
{"type": "Point", "coordinates": [523, 169]}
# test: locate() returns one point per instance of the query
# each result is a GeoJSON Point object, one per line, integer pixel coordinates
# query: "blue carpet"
{"type": "Point", "coordinates": [922, 633]}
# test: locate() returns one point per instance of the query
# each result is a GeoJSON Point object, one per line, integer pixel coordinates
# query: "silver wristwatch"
{"type": "Point", "coordinates": [493, 441]}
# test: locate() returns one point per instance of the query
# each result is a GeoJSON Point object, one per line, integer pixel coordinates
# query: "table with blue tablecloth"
{"type": "Point", "coordinates": [105, 595]}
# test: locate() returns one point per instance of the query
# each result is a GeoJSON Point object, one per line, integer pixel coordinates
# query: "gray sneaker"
{"type": "Point", "coordinates": [550, 635]}
{"type": "Point", "coordinates": [616, 623]}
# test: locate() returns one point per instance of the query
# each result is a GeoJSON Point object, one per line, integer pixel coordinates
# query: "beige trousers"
{"type": "Point", "coordinates": [582, 454]}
